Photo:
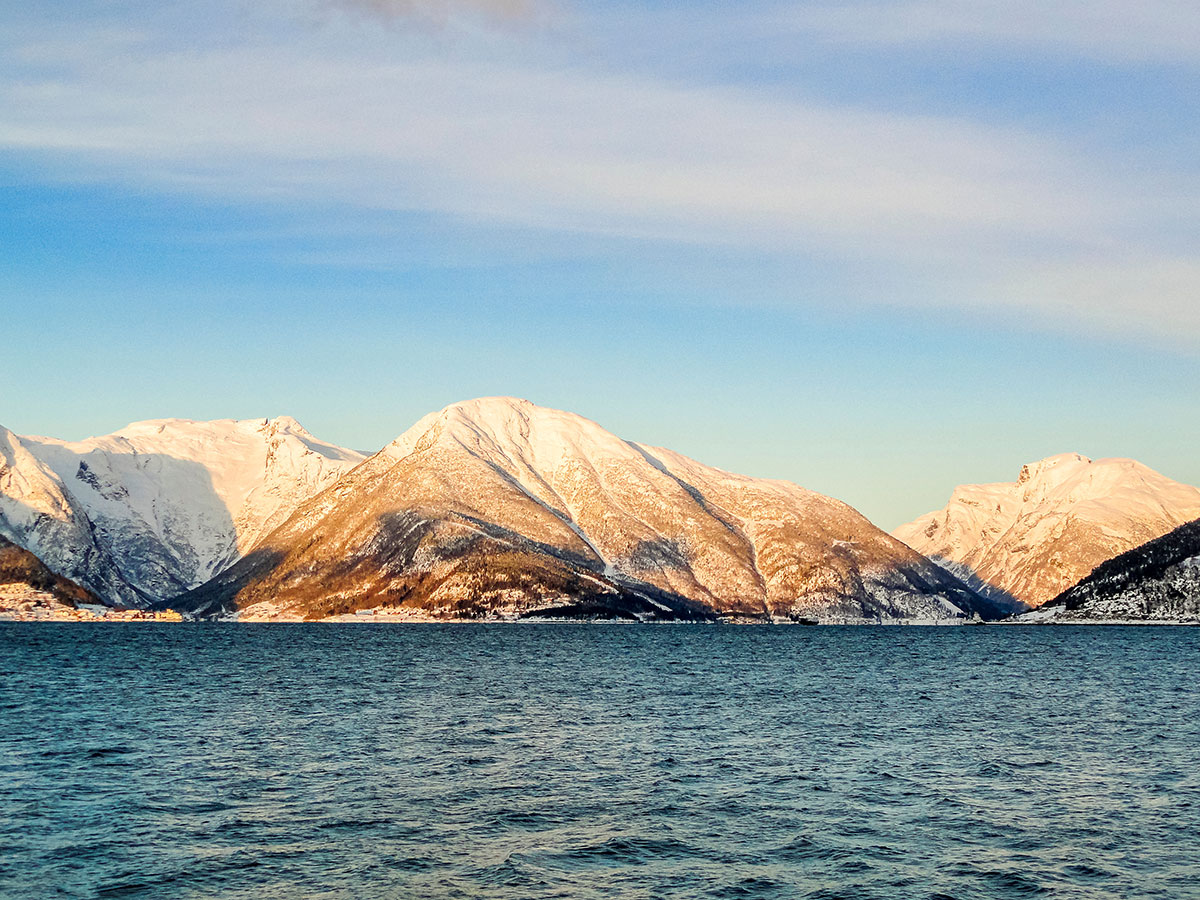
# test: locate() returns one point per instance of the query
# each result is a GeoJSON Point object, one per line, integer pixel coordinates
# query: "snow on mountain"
{"type": "Point", "coordinates": [39, 514]}
{"type": "Point", "coordinates": [500, 507]}
{"type": "Point", "coordinates": [1064, 515]}
{"type": "Point", "coordinates": [1156, 582]}
{"type": "Point", "coordinates": [160, 506]}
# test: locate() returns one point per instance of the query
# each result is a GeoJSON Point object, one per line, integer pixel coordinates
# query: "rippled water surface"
{"type": "Point", "coordinates": [198, 761]}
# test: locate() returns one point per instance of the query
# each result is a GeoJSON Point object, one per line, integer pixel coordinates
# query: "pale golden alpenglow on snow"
{"type": "Point", "coordinates": [161, 506]}
{"type": "Point", "coordinates": [500, 508]}
{"type": "Point", "coordinates": [1062, 517]}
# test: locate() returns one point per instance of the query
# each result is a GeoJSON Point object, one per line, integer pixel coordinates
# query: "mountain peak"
{"type": "Point", "coordinates": [1034, 537]}
{"type": "Point", "coordinates": [208, 427]}
{"type": "Point", "coordinates": [287, 423]}
{"type": "Point", "coordinates": [494, 403]}
{"type": "Point", "coordinates": [1057, 467]}
{"type": "Point", "coordinates": [505, 411]}
{"type": "Point", "coordinates": [512, 429]}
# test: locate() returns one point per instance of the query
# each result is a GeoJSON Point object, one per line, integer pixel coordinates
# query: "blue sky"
{"type": "Point", "coordinates": [875, 248]}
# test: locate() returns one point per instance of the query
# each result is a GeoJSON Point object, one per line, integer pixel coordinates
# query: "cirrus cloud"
{"type": "Point", "coordinates": [965, 213]}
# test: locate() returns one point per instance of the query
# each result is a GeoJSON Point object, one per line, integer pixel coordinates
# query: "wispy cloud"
{"type": "Point", "coordinates": [546, 147]}
{"type": "Point", "coordinates": [1118, 30]}
{"type": "Point", "coordinates": [974, 215]}
{"type": "Point", "coordinates": [1136, 292]}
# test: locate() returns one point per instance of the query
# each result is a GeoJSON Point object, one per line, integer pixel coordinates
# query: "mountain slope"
{"type": "Point", "coordinates": [1063, 516]}
{"type": "Point", "coordinates": [23, 577]}
{"type": "Point", "coordinates": [38, 513]}
{"type": "Point", "coordinates": [1158, 581]}
{"type": "Point", "coordinates": [161, 506]}
{"type": "Point", "coordinates": [500, 507]}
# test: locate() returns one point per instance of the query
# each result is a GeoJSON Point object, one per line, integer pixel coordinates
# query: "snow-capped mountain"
{"type": "Point", "coordinates": [1033, 538]}
{"type": "Point", "coordinates": [1158, 581]}
{"type": "Point", "coordinates": [161, 506]}
{"type": "Point", "coordinates": [38, 513]}
{"type": "Point", "coordinates": [498, 506]}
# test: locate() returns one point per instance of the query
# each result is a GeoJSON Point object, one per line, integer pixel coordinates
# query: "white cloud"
{"type": "Point", "coordinates": [557, 148]}
{"type": "Point", "coordinates": [1144, 294]}
{"type": "Point", "coordinates": [968, 211]}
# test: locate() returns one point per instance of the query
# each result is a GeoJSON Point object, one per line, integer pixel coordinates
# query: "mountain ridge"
{"type": "Point", "coordinates": [1064, 515]}
{"type": "Point", "coordinates": [499, 507]}
{"type": "Point", "coordinates": [447, 515]}
{"type": "Point", "coordinates": [158, 506]}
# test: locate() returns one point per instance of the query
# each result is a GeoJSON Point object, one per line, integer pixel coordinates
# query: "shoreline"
{"type": "Point", "coordinates": [37, 606]}
{"type": "Point", "coordinates": [169, 617]}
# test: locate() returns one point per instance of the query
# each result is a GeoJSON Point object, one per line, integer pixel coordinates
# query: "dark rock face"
{"type": "Point", "coordinates": [1159, 580]}
{"type": "Point", "coordinates": [501, 508]}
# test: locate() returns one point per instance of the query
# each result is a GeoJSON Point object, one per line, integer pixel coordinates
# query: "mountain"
{"type": "Point", "coordinates": [24, 579]}
{"type": "Point", "coordinates": [497, 507]}
{"type": "Point", "coordinates": [1158, 581]}
{"type": "Point", "coordinates": [38, 513]}
{"type": "Point", "coordinates": [158, 507]}
{"type": "Point", "coordinates": [1033, 538]}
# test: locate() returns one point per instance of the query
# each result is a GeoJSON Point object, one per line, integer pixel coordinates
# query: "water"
{"type": "Point", "coordinates": [362, 761]}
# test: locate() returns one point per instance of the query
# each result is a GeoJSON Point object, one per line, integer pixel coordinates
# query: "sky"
{"type": "Point", "coordinates": [875, 248]}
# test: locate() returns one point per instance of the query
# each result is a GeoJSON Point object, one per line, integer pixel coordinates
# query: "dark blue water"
{"type": "Point", "coordinates": [361, 761]}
